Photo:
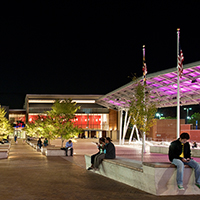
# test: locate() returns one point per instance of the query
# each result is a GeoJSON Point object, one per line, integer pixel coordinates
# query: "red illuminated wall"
{"type": "Point", "coordinates": [88, 121]}
{"type": "Point", "coordinates": [82, 121]}
{"type": "Point", "coordinates": [32, 118]}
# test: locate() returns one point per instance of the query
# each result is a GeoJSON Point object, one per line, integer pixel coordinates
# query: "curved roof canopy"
{"type": "Point", "coordinates": [162, 87]}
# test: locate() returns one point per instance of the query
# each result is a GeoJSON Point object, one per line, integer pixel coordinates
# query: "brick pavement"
{"type": "Point", "coordinates": [28, 175]}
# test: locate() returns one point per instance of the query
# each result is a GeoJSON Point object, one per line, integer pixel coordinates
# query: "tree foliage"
{"type": "Point", "coordinates": [195, 117]}
{"type": "Point", "coordinates": [61, 117]}
{"type": "Point", "coordinates": [58, 122]}
{"type": "Point", "coordinates": [5, 126]}
{"type": "Point", "coordinates": [142, 111]}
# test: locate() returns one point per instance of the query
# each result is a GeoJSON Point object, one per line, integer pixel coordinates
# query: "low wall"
{"type": "Point", "coordinates": [164, 150]}
{"type": "Point", "coordinates": [4, 150]}
{"type": "Point", "coordinates": [50, 150]}
{"type": "Point", "coordinates": [155, 178]}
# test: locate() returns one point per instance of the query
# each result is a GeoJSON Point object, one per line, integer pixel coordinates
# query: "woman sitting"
{"type": "Point", "coordinates": [109, 153]}
{"type": "Point", "coordinates": [100, 146]}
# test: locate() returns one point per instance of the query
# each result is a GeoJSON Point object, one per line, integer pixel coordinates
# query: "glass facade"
{"type": "Point", "coordinates": [87, 121]}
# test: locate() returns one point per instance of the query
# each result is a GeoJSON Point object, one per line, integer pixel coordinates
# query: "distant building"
{"type": "Point", "coordinates": [94, 119]}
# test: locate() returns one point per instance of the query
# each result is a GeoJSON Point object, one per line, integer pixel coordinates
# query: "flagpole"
{"type": "Point", "coordinates": [144, 83]}
{"type": "Point", "coordinates": [178, 89]}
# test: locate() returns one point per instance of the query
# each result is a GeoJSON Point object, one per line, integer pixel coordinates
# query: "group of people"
{"type": "Point", "coordinates": [179, 155]}
{"type": "Point", "coordinates": [106, 151]}
{"type": "Point", "coordinates": [39, 143]}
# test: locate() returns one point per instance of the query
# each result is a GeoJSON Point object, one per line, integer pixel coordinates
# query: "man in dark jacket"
{"type": "Point", "coordinates": [179, 155]}
{"type": "Point", "coordinates": [109, 153]}
{"type": "Point", "coordinates": [109, 149]}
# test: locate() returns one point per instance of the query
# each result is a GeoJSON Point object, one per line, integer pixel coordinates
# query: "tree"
{"type": "Point", "coordinates": [5, 126]}
{"type": "Point", "coordinates": [61, 118]}
{"type": "Point", "coordinates": [142, 111]}
{"type": "Point", "coordinates": [40, 127]}
{"type": "Point", "coordinates": [195, 117]}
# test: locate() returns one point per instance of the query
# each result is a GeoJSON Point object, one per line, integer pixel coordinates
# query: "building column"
{"type": "Point", "coordinates": [120, 127]}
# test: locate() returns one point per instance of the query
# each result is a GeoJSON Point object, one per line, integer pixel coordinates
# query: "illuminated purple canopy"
{"type": "Point", "coordinates": [162, 87]}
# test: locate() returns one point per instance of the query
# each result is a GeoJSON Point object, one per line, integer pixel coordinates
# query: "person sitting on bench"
{"type": "Point", "coordinates": [69, 146]}
{"type": "Point", "coordinates": [179, 155]}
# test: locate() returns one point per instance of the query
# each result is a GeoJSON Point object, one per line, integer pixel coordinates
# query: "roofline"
{"type": "Point", "coordinates": [174, 69]}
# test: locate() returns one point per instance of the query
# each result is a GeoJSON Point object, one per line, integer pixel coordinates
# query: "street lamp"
{"type": "Point", "coordinates": [158, 115]}
{"type": "Point", "coordinates": [188, 117]}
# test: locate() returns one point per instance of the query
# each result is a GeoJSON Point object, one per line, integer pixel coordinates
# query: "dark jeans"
{"type": "Point", "coordinates": [71, 149]}
{"type": "Point", "coordinates": [93, 156]}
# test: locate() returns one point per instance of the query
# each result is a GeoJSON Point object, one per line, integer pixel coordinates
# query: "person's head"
{"type": "Point", "coordinates": [107, 140]}
{"type": "Point", "coordinates": [184, 137]}
{"type": "Point", "coordinates": [101, 140]}
{"type": "Point", "coordinates": [70, 141]}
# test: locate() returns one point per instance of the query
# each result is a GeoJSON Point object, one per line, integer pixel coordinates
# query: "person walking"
{"type": "Point", "coordinates": [179, 155]}
{"type": "Point", "coordinates": [15, 139]}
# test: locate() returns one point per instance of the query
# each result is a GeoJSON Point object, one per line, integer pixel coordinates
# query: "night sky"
{"type": "Point", "coordinates": [90, 47]}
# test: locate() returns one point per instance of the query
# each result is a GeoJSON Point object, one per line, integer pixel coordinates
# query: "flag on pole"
{"type": "Point", "coordinates": [180, 63]}
{"type": "Point", "coordinates": [144, 68]}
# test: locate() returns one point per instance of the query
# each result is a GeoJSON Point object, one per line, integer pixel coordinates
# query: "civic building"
{"type": "Point", "coordinates": [107, 115]}
{"type": "Point", "coordinates": [94, 119]}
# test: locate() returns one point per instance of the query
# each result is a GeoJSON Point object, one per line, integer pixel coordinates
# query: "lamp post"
{"type": "Point", "coordinates": [187, 109]}
{"type": "Point", "coordinates": [159, 115]}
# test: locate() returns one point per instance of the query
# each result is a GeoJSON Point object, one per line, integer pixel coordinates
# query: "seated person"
{"type": "Point", "coordinates": [69, 146]}
{"type": "Point", "coordinates": [194, 145]}
{"type": "Point", "coordinates": [46, 142]}
{"type": "Point", "coordinates": [1, 142]}
{"type": "Point", "coordinates": [179, 155]}
{"type": "Point", "coordinates": [39, 143]}
{"type": "Point", "coordinates": [100, 146]}
{"type": "Point", "coordinates": [109, 153]}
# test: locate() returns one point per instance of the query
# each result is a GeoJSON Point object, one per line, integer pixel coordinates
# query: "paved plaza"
{"type": "Point", "coordinates": [29, 175]}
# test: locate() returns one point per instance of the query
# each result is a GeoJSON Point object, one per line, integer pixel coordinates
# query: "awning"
{"type": "Point", "coordinates": [162, 87]}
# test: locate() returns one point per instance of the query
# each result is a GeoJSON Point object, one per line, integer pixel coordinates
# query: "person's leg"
{"type": "Point", "coordinates": [192, 163]}
{"type": "Point", "coordinates": [180, 170]}
{"type": "Point", "coordinates": [66, 149]}
{"type": "Point", "coordinates": [92, 158]}
{"type": "Point", "coordinates": [98, 159]}
{"type": "Point", "coordinates": [71, 151]}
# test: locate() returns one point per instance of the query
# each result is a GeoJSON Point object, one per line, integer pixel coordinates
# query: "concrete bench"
{"type": "Point", "coordinates": [50, 151]}
{"type": "Point", "coordinates": [5, 145]}
{"type": "Point", "coordinates": [155, 178]}
{"type": "Point", "coordinates": [164, 150]}
{"type": "Point", "coordinates": [159, 149]}
{"type": "Point", "coordinates": [4, 153]}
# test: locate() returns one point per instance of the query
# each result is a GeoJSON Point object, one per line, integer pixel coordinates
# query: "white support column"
{"type": "Point", "coordinates": [120, 127]}
{"type": "Point", "coordinates": [131, 136]}
{"type": "Point", "coordinates": [125, 126]}
{"type": "Point", "coordinates": [138, 137]}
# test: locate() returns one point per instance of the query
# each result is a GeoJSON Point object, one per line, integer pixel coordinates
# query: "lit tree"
{"type": "Point", "coordinates": [40, 127]}
{"type": "Point", "coordinates": [61, 118]}
{"type": "Point", "coordinates": [142, 111]}
{"type": "Point", "coordinates": [5, 126]}
{"type": "Point", "coordinates": [195, 117]}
